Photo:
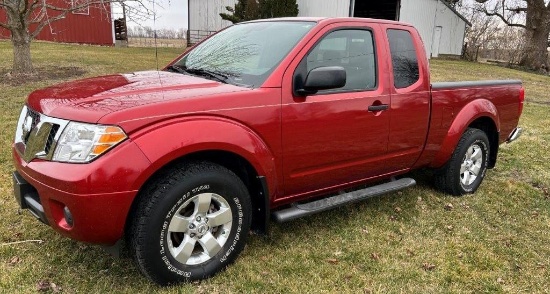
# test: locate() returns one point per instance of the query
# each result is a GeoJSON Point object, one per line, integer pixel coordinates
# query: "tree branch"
{"type": "Point", "coordinates": [47, 21]}
{"type": "Point", "coordinates": [31, 8]}
{"type": "Point", "coordinates": [5, 26]}
{"type": "Point", "coordinates": [6, 6]}
{"type": "Point", "coordinates": [502, 7]}
{"type": "Point", "coordinates": [510, 24]}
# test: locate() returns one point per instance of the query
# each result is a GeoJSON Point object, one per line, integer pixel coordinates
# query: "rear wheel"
{"type": "Point", "coordinates": [467, 167]}
{"type": "Point", "coordinates": [190, 224]}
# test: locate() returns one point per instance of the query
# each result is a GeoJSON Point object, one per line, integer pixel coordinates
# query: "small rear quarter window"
{"type": "Point", "coordinates": [403, 57]}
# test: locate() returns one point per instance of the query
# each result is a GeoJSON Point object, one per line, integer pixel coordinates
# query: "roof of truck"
{"type": "Point", "coordinates": [331, 20]}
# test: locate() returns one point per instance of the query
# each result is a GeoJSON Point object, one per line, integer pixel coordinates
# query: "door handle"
{"type": "Point", "coordinates": [381, 107]}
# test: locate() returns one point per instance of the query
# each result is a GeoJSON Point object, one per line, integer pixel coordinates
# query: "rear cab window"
{"type": "Point", "coordinates": [404, 58]}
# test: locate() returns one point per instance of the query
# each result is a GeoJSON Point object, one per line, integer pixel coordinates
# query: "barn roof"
{"type": "Point", "coordinates": [456, 12]}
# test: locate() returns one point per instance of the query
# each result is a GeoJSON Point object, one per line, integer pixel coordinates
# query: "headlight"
{"type": "Point", "coordinates": [82, 142]}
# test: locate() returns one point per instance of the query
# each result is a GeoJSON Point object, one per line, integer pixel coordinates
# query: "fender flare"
{"type": "Point", "coordinates": [174, 139]}
{"type": "Point", "coordinates": [468, 114]}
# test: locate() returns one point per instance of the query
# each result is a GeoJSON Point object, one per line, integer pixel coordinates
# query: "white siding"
{"type": "Point", "coordinates": [421, 14]}
{"type": "Point", "coordinates": [452, 34]}
{"type": "Point", "coordinates": [425, 15]}
{"type": "Point", "coordinates": [204, 15]}
{"type": "Point", "coordinates": [323, 8]}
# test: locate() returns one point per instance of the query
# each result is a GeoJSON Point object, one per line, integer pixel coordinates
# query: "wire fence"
{"type": "Point", "coordinates": [160, 42]}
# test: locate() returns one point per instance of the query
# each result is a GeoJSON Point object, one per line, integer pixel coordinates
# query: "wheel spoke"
{"type": "Point", "coordinates": [475, 169]}
{"type": "Point", "coordinates": [476, 155]}
{"type": "Point", "coordinates": [210, 244]}
{"type": "Point", "coordinates": [178, 224]}
{"type": "Point", "coordinates": [185, 250]}
{"type": "Point", "coordinates": [220, 217]}
{"type": "Point", "coordinates": [469, 152]}
{"type": "Point", "coordinates": [466, 179]}
{"type": "Point", "coordinates": [203, 202]}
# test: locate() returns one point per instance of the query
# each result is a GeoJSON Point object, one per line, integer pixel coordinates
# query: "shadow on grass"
{"type": "Point", "coordinates": [42, 74]}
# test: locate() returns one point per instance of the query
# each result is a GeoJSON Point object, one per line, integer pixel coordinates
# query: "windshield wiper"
{"type": "Point", "coordinates": [176, 69]}
{"type": "Point", "coordinates": [200, 72]}
{"type": "Point", "coordinates": [207, 73]}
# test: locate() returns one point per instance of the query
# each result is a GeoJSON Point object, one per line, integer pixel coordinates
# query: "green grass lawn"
{"type": "Point", "coordinates": [497, 240]}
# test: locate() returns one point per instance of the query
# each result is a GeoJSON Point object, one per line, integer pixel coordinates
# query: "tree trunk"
{"type": "Point", "coordinates": [22, 63]}
{"type": "Point", "coordinates": [21, 41]}
{"type": "Point", "coordinates": [535, 54]}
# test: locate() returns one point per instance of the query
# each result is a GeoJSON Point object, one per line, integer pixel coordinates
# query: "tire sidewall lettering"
{"type": "Point", "coordinates": [234, 236]}
{"type": "Point", "coordinates": [485, 153]}
{"type": "Point", "coordinates": [237, 237]}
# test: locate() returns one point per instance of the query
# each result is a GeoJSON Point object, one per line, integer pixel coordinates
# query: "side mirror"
{"type": "Point", "coordinates": [323, 78]}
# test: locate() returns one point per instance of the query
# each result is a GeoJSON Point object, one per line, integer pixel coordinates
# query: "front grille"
{"type": "Point", "coordinates": [35, 116]}
{"type": "Point", "coordinates": [37, 134]}
{"type": "Point", "coordinates": [51, 138]}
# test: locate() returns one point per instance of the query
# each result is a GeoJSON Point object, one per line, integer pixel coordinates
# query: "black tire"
{"type": "Point", "coordinates": [454, 180]}
{"type": "Point", "coordinates": [172, 205]}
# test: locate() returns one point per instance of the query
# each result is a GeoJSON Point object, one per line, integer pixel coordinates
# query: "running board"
{"type": "Point", "coordinates": [298, 210]}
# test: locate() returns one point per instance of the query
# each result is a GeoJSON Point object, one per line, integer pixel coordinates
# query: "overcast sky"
{"type": "Point", "coordinates": [171, 14]}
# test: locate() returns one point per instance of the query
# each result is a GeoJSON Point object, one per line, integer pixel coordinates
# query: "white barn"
{"type": "Point", "coordinates": [442, 28]}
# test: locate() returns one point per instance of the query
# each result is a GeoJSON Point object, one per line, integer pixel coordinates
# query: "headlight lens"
{"type": "Point", "coordinates": [82, 142]}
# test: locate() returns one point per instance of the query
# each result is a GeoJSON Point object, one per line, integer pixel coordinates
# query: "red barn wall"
{"type": "Point", "coordinates": [93, 28]}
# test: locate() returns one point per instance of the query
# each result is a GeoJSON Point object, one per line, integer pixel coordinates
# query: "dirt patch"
{"type": "Point", "coordinates": [42, 74]}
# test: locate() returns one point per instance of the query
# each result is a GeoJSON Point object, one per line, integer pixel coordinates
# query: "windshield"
{"type": "Point", "coordinates": [244, 54]}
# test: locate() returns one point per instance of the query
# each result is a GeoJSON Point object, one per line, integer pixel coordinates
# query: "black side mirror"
{"type": "Point", "coordinates": [323, 78]}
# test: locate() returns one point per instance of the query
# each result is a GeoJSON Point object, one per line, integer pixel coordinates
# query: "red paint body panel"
{"type": "Point", "coordinates": [454, 109]}
{"type": "Point", "coordinates": [99, 194]}
{"type": "Point", "coordinates": [303, 146]}
{"type": "Point", "coordinates": [95, 27]}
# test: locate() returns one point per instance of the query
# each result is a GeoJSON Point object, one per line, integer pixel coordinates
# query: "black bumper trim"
{"type": "Point", "coordinates": [27, 197]}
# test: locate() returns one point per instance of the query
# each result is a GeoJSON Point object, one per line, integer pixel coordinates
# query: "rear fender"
{"type": "Point", "coordinates": [472, 111]}
{"type": "Point", "coordinates": [172, 140]}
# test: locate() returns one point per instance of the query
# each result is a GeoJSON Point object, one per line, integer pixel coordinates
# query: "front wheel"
{"type": "Point", "coordinates": [190, 224]}
{"type": "Point", "coordinates": [467, 167]}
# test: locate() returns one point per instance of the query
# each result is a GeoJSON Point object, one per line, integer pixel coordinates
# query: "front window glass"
{"type": "Point", "coordinates": [351, 49]}
{"type": "Point", "coordinates": [244, 54]}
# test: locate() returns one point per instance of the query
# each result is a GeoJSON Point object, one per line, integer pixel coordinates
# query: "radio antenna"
{"type": "Point", "coordinates": [155, 36]}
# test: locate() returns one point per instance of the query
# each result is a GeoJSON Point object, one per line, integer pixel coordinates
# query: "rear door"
{"type": "Point", "coordinates": [331, 138]}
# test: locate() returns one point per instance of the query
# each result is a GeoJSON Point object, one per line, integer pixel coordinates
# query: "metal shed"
{"type": "Point", "coordinates": [442, 28]}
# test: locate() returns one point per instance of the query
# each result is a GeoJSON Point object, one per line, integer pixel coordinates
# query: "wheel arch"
{"type": "Point", "coordinates": [488, 126]}
{"type": "Point", "coordinates": [480, 114]}
{"type": "Point", "coordinates": [215, 139]}
{"type": "Point", "coordinates": [255, 183]}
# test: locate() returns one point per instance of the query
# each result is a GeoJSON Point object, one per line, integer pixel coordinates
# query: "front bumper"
{"type": "Point", "coordinates": [27, 197]}
{"type": "Point", "coordinates": [98, 194]}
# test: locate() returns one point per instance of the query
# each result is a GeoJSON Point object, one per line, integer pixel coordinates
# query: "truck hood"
{"type": "Point", "coordinates": [88, 100]}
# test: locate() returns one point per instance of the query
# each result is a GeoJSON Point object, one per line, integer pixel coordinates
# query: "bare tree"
{"type": "Point", "coordinates": [533, 16]}
{"type": "Point", "coordinates": [26, 19]}
{"type": "Point", "coordinates": [481, 33]}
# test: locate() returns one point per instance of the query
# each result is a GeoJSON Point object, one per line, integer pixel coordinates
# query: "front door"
{"type": "Point", "coordinates": [336, 136]}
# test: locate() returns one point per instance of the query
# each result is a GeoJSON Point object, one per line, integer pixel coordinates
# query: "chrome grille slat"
{"type": "Point", "coordinates": [37, 134]}
{"type": "Point", "coordinates": [51, 138]}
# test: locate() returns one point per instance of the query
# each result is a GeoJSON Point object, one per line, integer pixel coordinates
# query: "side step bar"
{"type": "Point", "coordinates": [298, 210]}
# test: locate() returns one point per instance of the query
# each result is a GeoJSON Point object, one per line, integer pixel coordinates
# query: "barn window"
{"type": "Point", "coordinates": [80, 7]}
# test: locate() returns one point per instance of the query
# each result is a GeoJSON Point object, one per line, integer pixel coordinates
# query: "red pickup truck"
{"type": "Point", "coordinates": [277, 118]}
